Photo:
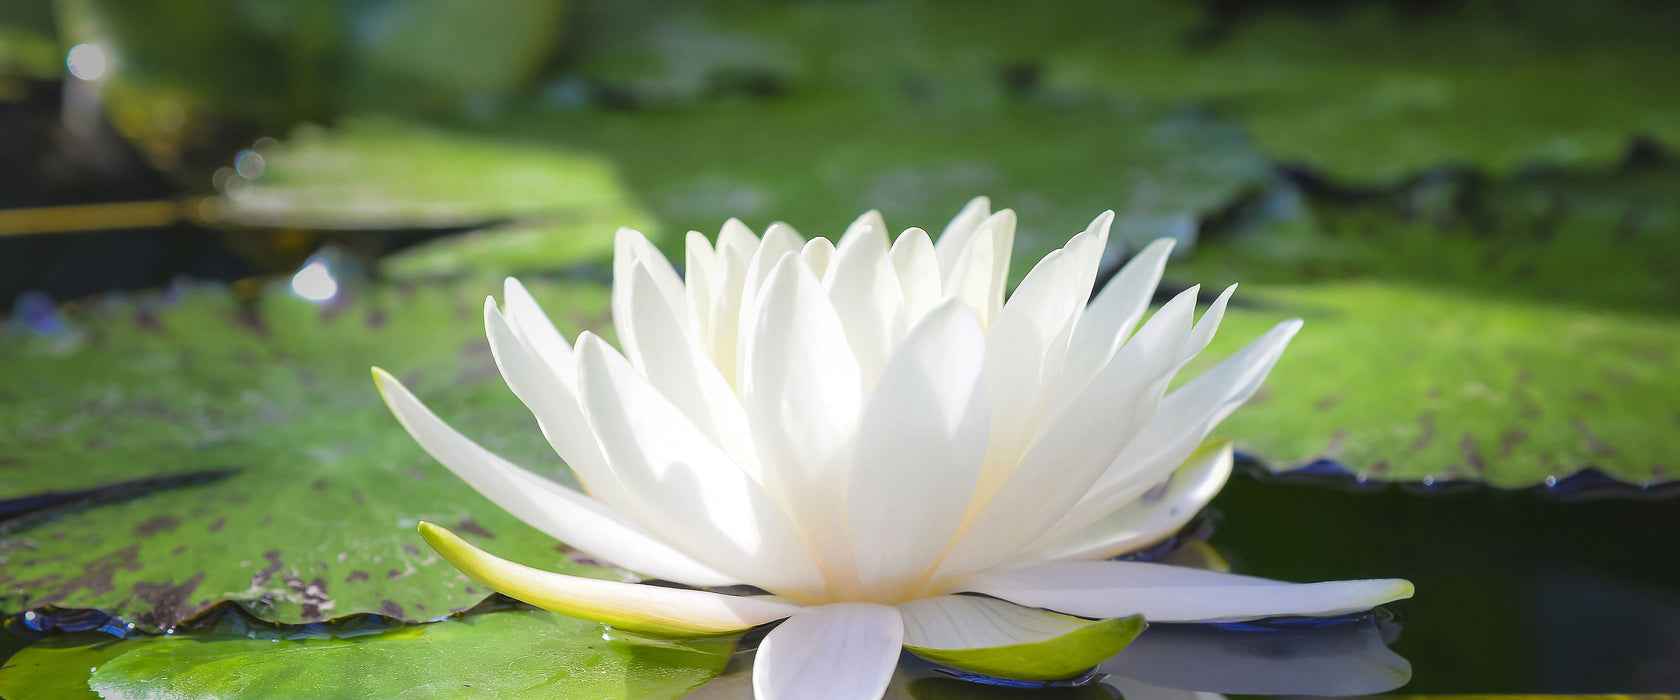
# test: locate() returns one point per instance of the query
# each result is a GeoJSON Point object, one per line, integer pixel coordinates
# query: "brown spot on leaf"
{"type": "Point", "coordinates": [98, 576]}
{"type": "Point", "coordinates": [411, 549]}
{"type": "Point", "coordinates": [1472, 453]}
{"type": "Point", "coordinates": [393, 575]}
{"type": "Point", "coordinates": [356, 496]}
{"type": "Point", "coordinates": [1426, 432]}
{"type": "Point", "coordinates": [178, 551]}
{"type": "Point", "coordinates": [266, 520]}
{"type": "Point", "coordinates": [1334, 446]}
{"type": "Point", "coordinates": [374, 318]}
{"type": "Point", "coordinates": [216, 525]}
{"type": "Point", "coordinates": [1593, 443]}
{"type": "Point", "coordinates": [357, 575]}
{"type": "Point", "coordinates": [1380, 467]}
{"type": "Point", "coordinates": [471, 527]}
{"type": "Point", "coordinates": [417, 474]}
{"type": "Point", "coordinates": [1328, 402]}
{"type": "Point", "coordinates": [389, 608]}
{"type": "Point", "coordinates": [1509, 440]}
{"type": "Point", "coordinates": [169, 600]}
{"type": "Point", "coordinates": [319, 485]}
{"type": "Point", "coordinates": [156, 524]}
{"type": "Point", "coordinates": [267, 572]}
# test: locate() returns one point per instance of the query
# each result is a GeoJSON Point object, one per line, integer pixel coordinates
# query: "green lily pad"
{"type": "Point", "coordinates": [1406, 383]}
{"type": "Point", "coordinates": [1053, 659]}
{"type": "Point", "coordinates": [819, 161]}
{"type": "Point", "coordinates": [377, 173]}
{"type": "Point", "coordinates": [1375, 92]}
{"type": "Point", "coordinates": [513, 654]}
{"type": "Point", "coordinates": [58, 668]}
{"type": "Point", "coordinates": [1371, 92]}
{"type": "Point", "coordinates": [318, 518]}
{"type": "Point", "coordinates": [1602, 239]}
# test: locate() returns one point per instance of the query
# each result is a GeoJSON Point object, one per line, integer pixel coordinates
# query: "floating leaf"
{"type": "Point", "coordinates": [318, 518]}
{"type": "Point", "coordinates": [382, 174]}
{"type": "Point", "coordinates": [1403, 383]}
{"type": "Point", "coordinates": [512, 654]}
{"type": "Point", "coordinates": [57, 668]}
{"type": "Point", "coordinates": [1601, 239]}
{"type": "Point", "coordinates": [818, 162]}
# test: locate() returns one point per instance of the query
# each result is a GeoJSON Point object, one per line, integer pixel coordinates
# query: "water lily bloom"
{"type": "Point", "coordinates": [864, 435]}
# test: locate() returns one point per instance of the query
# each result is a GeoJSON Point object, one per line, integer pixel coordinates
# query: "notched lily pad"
{"type": "Point", "coordinates": [318, 519]}
{"type": "Point", "coordinates": [1402, 383]}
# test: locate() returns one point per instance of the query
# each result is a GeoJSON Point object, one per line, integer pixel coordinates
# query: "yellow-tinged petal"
{"type": "Point", "coordinates": [1001, 639]}
{"type": "Point", "coordinates": [630, 606]}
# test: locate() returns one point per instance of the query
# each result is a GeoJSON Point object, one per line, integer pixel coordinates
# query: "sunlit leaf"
{"type": "Point", "coordinates": [318, 517]}
{"type": "Point", "coordinates": [1405, 383]}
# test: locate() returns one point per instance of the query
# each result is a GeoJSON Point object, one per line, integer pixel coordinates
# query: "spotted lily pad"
{"type": "Point", "coordinates": [1408, 383]}
{"type": "Point", "coordinates": [318, 516]}
{"type": "Point", "coordinates": [513, 654]}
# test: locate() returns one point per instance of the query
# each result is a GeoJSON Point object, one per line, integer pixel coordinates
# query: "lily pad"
{"type": "Point", "coordinates": [1406, 383]}
{"type": "Point", "coordinates": [819, 161]}
{"type": "Point", "coordinates": [382, 174]}
{"type": "Point", "coordinates": [514, 654]}
{"type": "Point", "coordinates": [58, 668]}
{"type": "Point", "coordinates": [1586, 238]}
{"type": "Point", "coordinates": [1376, 92]}
{"type": "Point", "coordinates": [318, 517]}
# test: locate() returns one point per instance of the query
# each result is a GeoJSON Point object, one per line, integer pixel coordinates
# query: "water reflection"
{"type": "Point", "coordinates": [1178, 661]}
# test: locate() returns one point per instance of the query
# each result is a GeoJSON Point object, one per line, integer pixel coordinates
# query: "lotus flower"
{"type": "Point", "coordinates": [861, 436]}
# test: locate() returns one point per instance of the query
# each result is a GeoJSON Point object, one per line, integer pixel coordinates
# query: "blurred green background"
{"type": "Point", "coordinates": [1474, 204]}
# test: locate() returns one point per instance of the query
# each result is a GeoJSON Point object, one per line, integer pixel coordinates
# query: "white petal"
{"type": "Point", "coordinates": [1162, 593]}
{"type": "Point", "coordinates": [725, 312]}
{"type": "Point", "coordinates": [701, 275]}
{"type": "Point", "coordinates": [920, 445]}
{"type": "Point", "coordinates": [869, 224]}
{"type": "Point", "coordinates": [1183, 420]}
{"type": "Point", "coordinates": [566, 515]}
{"type": "Point", "coordinates": [1088, 248]}
{"type": "Point", "coordinates": [528, 319]}
{"type": "Point", "coordinates": [632, 606]}
{"type": "Point", "coordinates": [629, 248]}
{"type": "Point", "coordinates": [918, 273]}
{"type": "Point", "coordinates": [1075, 447]}
{"type": "Point", "coordinates": [779, 240]}
{"type": "Point", "coordinates": [676, 366]}
{"type": "Point", "coordinates": [956, 235]}
{"type": "Point", "coordinates": [693, 496]}
{"type": "Point", "coordinates": [819, 254]}
{"type": "Point", "coordinates": [1157, 514]}
{"type": "Point", "coordinates": [845, 651]}
{"type": "Point", "coordinates": [554, 404]}
{"type": "Point", "coordinates": [736, 236]}
{"type": "Point", "coordinates": [982, 268]}
{"type": "Point", "coordinates": [865, 293]}
{"type": "Point", "coordinates": [1111, 317]}
{"type": "Point", "coordinates": [1024, 351]}
{"type": "Point", "coordinates": [801, 388]}
{"type": "Point", "coordinates": [973, 622]}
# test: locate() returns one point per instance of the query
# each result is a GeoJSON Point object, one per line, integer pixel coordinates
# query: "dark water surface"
{"type": "Point", "coordinates": [1518, 591]}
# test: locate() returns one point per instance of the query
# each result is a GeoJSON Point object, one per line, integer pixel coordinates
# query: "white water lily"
{"type": "Point", "coordinates": [867, 432]}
